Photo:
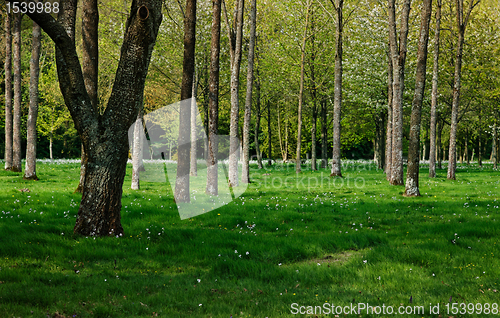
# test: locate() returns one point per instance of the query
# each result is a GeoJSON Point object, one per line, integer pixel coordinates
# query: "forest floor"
{"type": "Point", "coordinates": [286, 242]}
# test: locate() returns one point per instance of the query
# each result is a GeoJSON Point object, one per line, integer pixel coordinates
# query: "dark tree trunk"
{"type": "Point", "coordinates": [8, 93]}
{"type": "Point", "coordinates": [245, 173]}
{"type": "Point", "coordinates": [30, 170]}
{"type": "Point", "coordinates": [213, 124]}
{"type": "Point", "coordinates": [16, 127]}
{"type": "Point", "coordinates": [337, 94]}
{"type": "Point", "coordinates": [324, 135]}
{"type": "Point", "coordinates": [412, 174]}
{"type": "Point", "coordinates": [388, 143]}
{"type": "Point", "coordinates": [90, 65]}
{"type": "Point", "coordinates": [379, 140]}
{"type": "Point", "coordinates": [183, 159]}
{"type": "Point", "coordinates": [434, 97]}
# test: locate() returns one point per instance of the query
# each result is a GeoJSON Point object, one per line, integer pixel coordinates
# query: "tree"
{"type": "Point", "coordinates": [104, 135]}
{"type": "Point", "coordinates": [416, 111]}
{"type": "Point", "coordinates": [337, 98]}
{"type": "Point", "coordinates": [193, 169]}
{"type": "Point", "coordinates": [248, 102]}
{"type": "Point", "coordinates": [462, 21]}
{"type": "Point", "coordinates": [213, 123]}
{"type": "Point", "coordinates": [137, 151]}
{"type": "Point", "coordinates": [258, 116]}
{"type": "Point", "coordinates": [90, 66]}
{"type": "Point", "coordinates": [434, 96]}
{"type": "Point", "coordinates": [398, 56]}
{"type": "Point", "coordinates": [8, 92]}
{"type": "Point", "coordinates": [388, 142]}
{"type": "Point", "coordinates": [30, 169]}
{"type": "Point", "coordinates": [235, 36]}
{"type": "Point", "coordinates": [183, 160]}
{"type": "Point", "coordinates": [16, 126]}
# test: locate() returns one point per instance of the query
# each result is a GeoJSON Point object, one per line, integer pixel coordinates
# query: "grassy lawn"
{"type": "Point", "coordinates": [353, 240]}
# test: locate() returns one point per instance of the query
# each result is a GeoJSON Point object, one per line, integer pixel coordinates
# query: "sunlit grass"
{"type": "Point", "coordinates": [284, 241]}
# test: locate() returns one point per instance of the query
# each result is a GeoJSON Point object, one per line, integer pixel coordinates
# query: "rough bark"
{"type": "Point", "coordinates": [324, 135]}
{"type": "Point", "coordinates": [213, 123]}
{"type": "Point", "coordinates": [245, 173]}
{"type": "Point", "coordinates": [434, 96]}
{"type": "Point", "coordinates": [337, 94]}
{"type": "Point", "coordinates": [398, 55]}
{"type": "Point", "coordinates": [183, 151]}
{"type": "Point", "coordinates": [193, 169]}
{"type": "Point", "coordinates": [16, 124]}
{"type": "Point", "coordinates": [388, 142]}
{"type": "Point", "coordinates": [30, 169]}
{"type": "Point", "coordinates": [236, 40]}
{"type": "Point", "coordinates": [462, 25]}
{"type": "Point", "coordinates": [8, 93]}
{"type": "Point", "coordinates": [412, 173]}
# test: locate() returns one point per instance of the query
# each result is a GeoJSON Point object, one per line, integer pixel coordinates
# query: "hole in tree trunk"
{"type": "Point", "coordinates": [143, 12]}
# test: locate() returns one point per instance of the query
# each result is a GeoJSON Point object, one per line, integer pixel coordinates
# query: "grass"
{"type": "Point", "coordinates": [351, 240]}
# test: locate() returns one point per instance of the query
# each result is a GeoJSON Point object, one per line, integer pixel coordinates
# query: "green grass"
{"type": "Point", "coordinates": [277, 244]}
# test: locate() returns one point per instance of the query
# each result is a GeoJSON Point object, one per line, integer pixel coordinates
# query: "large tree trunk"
{"type": "Point", "coordinates": [183, 158]}
{"type": "Point", "coordinates": [213, 123]}
{"type": "Point", "coordinates": [388, 142]}
{"type": "Point", "coordinates": [462, 25]}
{"type": "Point", "coordinates": [412, 174]}
{"type": "Point", "coordinates": [337, 94]}
{"type": "Point", "coordinates": [236, 40]}
{"type": "Point", "coordinates": [30, 170]}
{"type": "Point", "coordinates": [245, 174]}
{"type": "Point", "coordinates": [398, 55]}
{"type": "Point", "coordinates": [194, 113]}
{"type": "Point", "coordinates": [8, 93]}
{"type": "Point", "coordinates": [434, 96]}
{"type": "Point", "coordinates": [324, 135]}
{"type": "Point", "coordinates": [16, 127]}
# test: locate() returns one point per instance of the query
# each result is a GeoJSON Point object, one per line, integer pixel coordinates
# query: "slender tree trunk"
{"type": "Point", "coordinates": [439, 145]}
{"type": "Point", "coordinates": [137, 149]}
{"type": "Point", "coordinates": [462, 25]}
{"type": "Point", "coordinates": [412, 175]}
{"type": "Point", "coordinates": [388, 142]}
{"type": "Point", "coordinates": [301, 95]}
{"type": "Point", "coordinates": [8, 93]}
{"type": "Point", "coordinates": [257, 120]}
{"type": "Point", "coordinates": [324, 135]}
{"type": "Point", "coordinates": [16, 127]}
{"type": "Point", "coordinates": [213, 123]}
{"type": "Point", "coordinates": [337, 95]}
{"type": "Point", "coordinates": [30, 169]}
{"type": "Point", "coordinates": [245, 176]}
{"type": "Point", "coordinates": [479, 139]}
{"type": "Point", "coordinates": [194, 112]}
{"type": "Point", "coordinates": [269, 147]}
{"type": "Point", "coordinates": [398, 54]}
{"type": "Point", "coordinates": [494, 147]}
{"type": "Point", "coordinates": [236, 49]}
{"type": "Point", "coordinates": [434, 96]}
{"type": "Point", "coordinates": [183, 152]}
{"type": "Point", "coordinates": [313, 91]}
{"type": "Point", "coordinates": [379, 155]}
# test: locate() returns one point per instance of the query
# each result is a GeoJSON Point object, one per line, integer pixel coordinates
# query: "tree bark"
{"type": "Point", "coordinates": [313, 91]}
{"type": "Point", "coordinates": [245, 173]}
{"type": "Point", "coordinates": [258, 116]}
{"type": "Point", "coordinates": [462, 25]}
{"type": "Point", "coordinates": [434, 94]}
{"type": "Point", "coordinates": [30, 169]}
{"type": "Point", "coordinates": [412, 174]}
{"type": "Point", "coordinates": [337, 95]}
{"type": "Point", "coordinates": [194, 113]}
{"type": "Point", "coordinates": [8, 92]}
{"type": "Point", "coordinates": [388, 142]}
{"type": "Point", "coordinates": [379, 140]}
{"type": "Point", "coordinates": [16, 127]}
{"type": "Point", "coordinates": [236, 40]}
{"type": "Point", "coordinates": [183, 151]}
{"type": "Point", "coordinates": [324, 135]}
{"type": "Point", "coordinates": [213, 123]}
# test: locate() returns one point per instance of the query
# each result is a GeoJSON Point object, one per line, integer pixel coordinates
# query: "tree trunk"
{"type": "Point", "coordinates": [137, 144]}
{"type": "Point", "coordinates": [8, 93]}
{"type": "Point", "coordinates": [337, 97]}
{"type": "Point", "coordinates": [313, 91]}
{"type": "Point", "coordinates": [236, 40]}
{"type": "Point", "coordinates": [494, 147]}
{"type": "Point", "coordinates": [439, 146]}
{"type": "Point", "coordinates": [434, 94]}
{"type": "Point", "coordinates": [379, 140]}
{"type": "Point", "coordinates": [30, 169]}
{"type": "Point", "coordinates": [194, 113]}
{"type": "Point", "coordinates": [183, 152]}
{"type": "Point", "coordinates": [412, 174]}
{"type": "Point", "coordinates": [269, 148]}
{"type": "Point", "coordinates": [257, 120]}
{"type": "Point", "coordinates": [324, 135]}
{"type": "Point", "coordinates": [245, 174]}
{"type": "Point", "coordinates": [480, 152]}
{"type": "Point", "coordinates": [213, 123]}
{"type": "Point", "coordinates": [462, 24]}
{"type": "Point", "coordinates": [388, 142]}
{"type": "Point", "coordinates": [16, 127]}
